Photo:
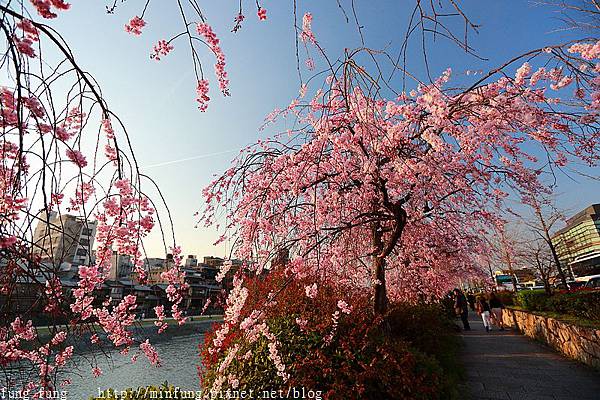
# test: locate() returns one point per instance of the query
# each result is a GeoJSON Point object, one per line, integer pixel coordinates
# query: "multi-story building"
{"type": "Point", "coordinates": [578, 244]}
{"type": "Point", "coordinates": [63, 238]}
{"type": "Point", "coordinates": [156, 266]}
{"type": "Point", "coordinates": [191, 261]}
{"type": "Point", "coordinates": [121, 267]}
{"type": "Point", "coordinates": [213, 261]}
{"type": "Point", "coordinates": [521, 275]}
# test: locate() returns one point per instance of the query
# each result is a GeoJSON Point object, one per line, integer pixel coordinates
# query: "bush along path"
{"type": "Point", "coordinates": [508, 366]}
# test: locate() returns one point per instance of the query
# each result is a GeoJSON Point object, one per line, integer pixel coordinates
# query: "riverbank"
{"type": "Point", "coordinates": [143, 324]}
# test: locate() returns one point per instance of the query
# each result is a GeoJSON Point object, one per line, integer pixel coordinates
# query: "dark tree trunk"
{"type": "Point", "coordinates": [382, 249]}
{"type": "Point", "coordinates": [561, 274]}
{"type": "Point", "coordinates": [547, 287]}
{"type": "Point", "coordinates": [378, 271]}
{"type": "Point", "coordinates": [548, 240]}
{"type": "Point", "coordinates": [380, 303]}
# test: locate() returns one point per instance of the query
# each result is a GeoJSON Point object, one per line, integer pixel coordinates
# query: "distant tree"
{"type": "Point", "coordinates": [537, 255]}
{"type": "Point", "coordinates": [542, 223]}
{"type": "Point", "coordinates": [505, 250]}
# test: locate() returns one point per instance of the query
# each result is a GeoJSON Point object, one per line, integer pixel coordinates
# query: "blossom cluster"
{"type": "Point", "coordinates": [307, 35]}
{"type": "Point", "coordinates": [135, 26]}
{"type": "Point", "coordinates": [202, 95]}
{"type": "Point", "coordinates": [44, 7]}
{"type": "Point", "coordinates": [17, 344]}
{"type": "Point", "coordinates": [177, 286]}
{"type": "Point", "coordinates": [212, 42]}
{"type": "Point", "coordinates": [160, 49]}
{"type": "Point", "coordinates": [30, 36]}
{"type": "Point", "coordinates": [262, 14]}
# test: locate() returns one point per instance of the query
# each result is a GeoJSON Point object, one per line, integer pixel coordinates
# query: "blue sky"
{"type": "Point", "coordinates": [156, 99]}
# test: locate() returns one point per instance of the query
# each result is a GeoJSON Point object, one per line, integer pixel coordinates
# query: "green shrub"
{"type": "Point", "coordinates": [360, 363]}
{"type": "Point", "coordinates": [258, 372]}
{"type": "Point", "coordinates": [533, 300]}
{"type": "Point", "coordinates": [581, 303]}
{"type": "Point", "coordinates": [432, 331]}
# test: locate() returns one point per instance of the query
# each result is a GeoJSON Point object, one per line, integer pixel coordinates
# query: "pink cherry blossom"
{"type": "Point", "coordinates": [77, 157]}
{"type": "Point", "coordinates": [344, 307]}
{"type": "Point", "coordinates": [202, 95]}
{"type": "Point", "coordinates": [262, 14]}
{"type": "Point", "coordinates": [212, 42]}
{"type": "Point", "coordinates": [24, 46]}
{"type": "Point", "coordinates": [310, 64]}
{"type": "Point", "coordinates": [44, 7]}
{"type": "Point", "coordinates": [160, 49]}
{"type": "Point", "coordinates": [306, 35]}
{"type": "Point", "coordinates": [150, 353]}
{"type": "Point", "coordinates": [135, 25]}
{"type": "Point", "coordinates": [311, 291]}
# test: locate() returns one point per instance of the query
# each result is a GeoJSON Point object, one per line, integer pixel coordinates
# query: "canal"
{"type": "Point", "coordinates": [179, 356]}
{"type": "Point", "coordinates": [177, 348]}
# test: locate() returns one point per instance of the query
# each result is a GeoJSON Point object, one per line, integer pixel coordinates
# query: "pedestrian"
{"type": "Point", "coordinates": [461, 308]}
{"type": "Point", "coordinates": [496, 307]}
{"type": "Point", "coordinates": [471, 300]}
{"type": "Point", "coordinates": [483, 309]}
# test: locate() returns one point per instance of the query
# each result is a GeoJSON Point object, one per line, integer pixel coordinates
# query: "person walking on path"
{"type": "Point", "coordinates": [471, 301]}
{"type": "Point", "coordinates": [461, 308]}
{"type": "Point", "coordinates": [496, 308]}
{"type": "Point", "coordinates": [483, 308]}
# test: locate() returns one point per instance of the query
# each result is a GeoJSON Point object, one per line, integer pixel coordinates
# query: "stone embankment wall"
{"type": "Point", "coordinates": [576, 342]}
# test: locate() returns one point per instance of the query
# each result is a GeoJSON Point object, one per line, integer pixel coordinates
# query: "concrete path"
{"type": "Point", "coordinates": [509, 366]}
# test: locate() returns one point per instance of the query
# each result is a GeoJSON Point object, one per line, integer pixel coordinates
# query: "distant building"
{"type": "Point", "coordinates": [578, 244]}
{"type": "Point", "coordinates": [152, 263]}
{"type": "Point", "coordinates": [121, 267]}
{"type": "Point", "coordinates": [213, 261]}
{"type": "Point", "coordinates": [191, 261]}
{"type": "Point", "coordinates": [156, 266]}
{"type": "Point", "coordinates": [524, 275]}
{"type": "Point", "coordinates": [62, 238]}
{"type": "Point", "coordinates": [518, 276]}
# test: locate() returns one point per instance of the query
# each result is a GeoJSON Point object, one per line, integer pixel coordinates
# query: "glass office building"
{"type": "Point", "coordinates": [578, 244]}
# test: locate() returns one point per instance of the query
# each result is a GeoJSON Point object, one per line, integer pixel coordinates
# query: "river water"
{"type": "Point", "coordinates": [177, 348]}
{"type": "Point", "coordinates": [179, 356]}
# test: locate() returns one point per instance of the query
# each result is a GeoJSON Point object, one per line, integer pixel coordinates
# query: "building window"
{"type": "Point", "coordinates": [84, 242]}
{"type": "Point", "coordinates": [81, 252]}
{"type": "Point", "coordinates": [86, 231]}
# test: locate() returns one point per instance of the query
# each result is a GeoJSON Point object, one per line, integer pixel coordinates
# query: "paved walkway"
{"type": "Point", "coordinates": [509, 366]}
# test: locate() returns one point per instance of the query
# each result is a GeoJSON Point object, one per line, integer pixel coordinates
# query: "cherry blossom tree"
{"type": "Point", "coordinates": [393, 190]}
{"type": "Point", "coordinates": [370, 184]}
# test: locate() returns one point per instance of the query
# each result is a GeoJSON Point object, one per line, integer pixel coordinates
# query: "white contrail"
{"type": "Point", "coordinates": [191, 158]}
